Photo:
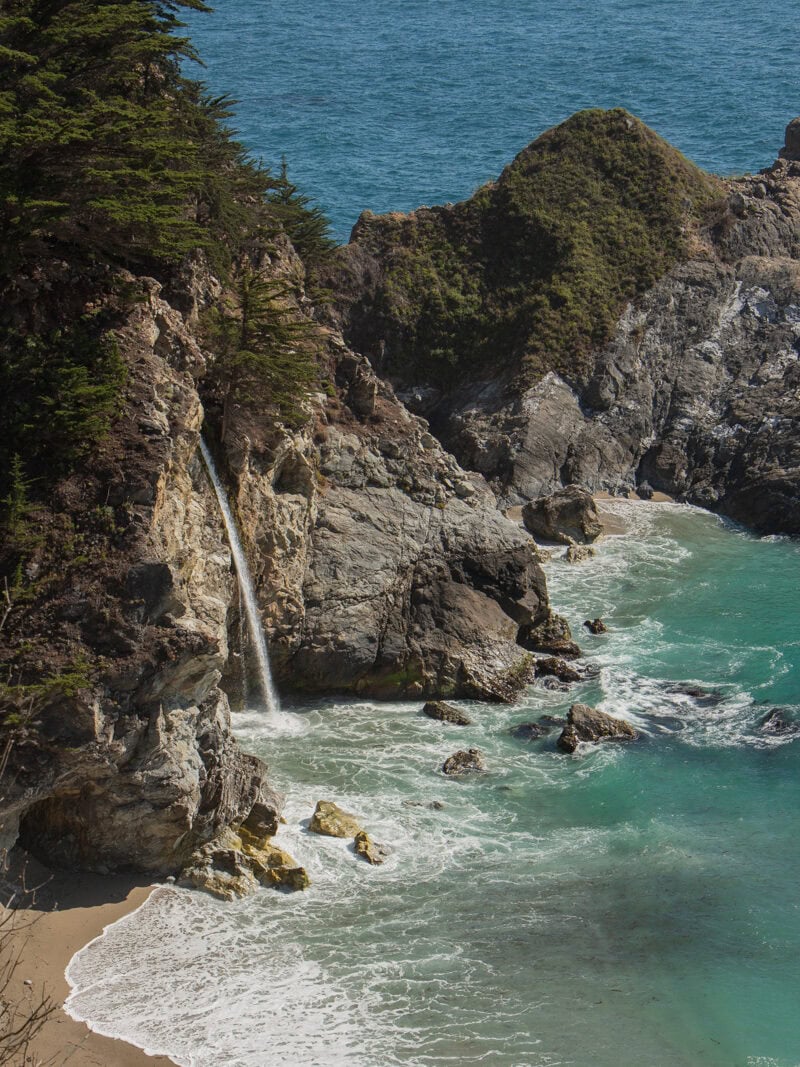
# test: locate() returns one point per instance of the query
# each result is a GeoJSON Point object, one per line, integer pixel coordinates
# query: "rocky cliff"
{"type": "Point", "coordinates": [381, 567]}
{"type": "Point", "coordinates": [683, 376]}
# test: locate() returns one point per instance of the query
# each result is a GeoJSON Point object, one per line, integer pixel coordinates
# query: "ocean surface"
{"type": "Point", "coordinates": [629, 906]}
{"type": "Point", "coordinates": [387, 105]}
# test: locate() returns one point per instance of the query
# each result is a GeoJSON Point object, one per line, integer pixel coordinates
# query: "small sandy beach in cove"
{"type": "Point", "coordinates": [69, 911]}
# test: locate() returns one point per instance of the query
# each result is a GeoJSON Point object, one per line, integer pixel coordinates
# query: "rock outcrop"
{"type": "Point", "coordinates": [332, 821]}
{"type": "Point", "coordinates": [693, 390]}
{"type": "Point", "coordinates": [466, 761]}
{"type": "Point", "coordinates": [438, 709]}
{"type": "Point", "coordinates": [590, 725]}
{"type": "Point", "coordinates": [124, 756]}
{"type": "Point", "coordinates": [383, 568]}
{"type": "Point", "coordinates": [370, 850]}
{"type": "Point", "coordinates": [566, 516]}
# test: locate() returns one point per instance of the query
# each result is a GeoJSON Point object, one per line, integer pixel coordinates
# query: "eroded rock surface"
{"type": "Point", "coordinates": [585, 724]}
{"type": "Point", "coordinates": [567, 516]}
{"type": "Point", "coordinates": [466, 761]}
{"type": "Point", "coordinates": [332, 821]}
{"type": "Point", "coordinates": [438, 709]}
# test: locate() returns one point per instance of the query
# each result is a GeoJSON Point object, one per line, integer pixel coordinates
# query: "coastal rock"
{"type": "Point", "coordinates": [370, 850]}
{"type": "Point", "coordinates": [530, 731]}
{"type": "Point", "coordinates": [566, 516]}
{"type": "Point", "coordinates": [552, 636]}
{"type": "Point", "coordinates": [695, 391]}
{"type": "Point", "coordinates": [438, 709]}
{"type": "Point", "coordinates": [791, 145]}
{"type": "Point", "coordinates": [332, 821]}
{"type": "Point", "coordinates": [590, 725]}
{"type": "Point", "coordinates": [234, 865]}
{"type": "Point", "coordinates": [779, 723]}
{"type": "Point", "coordinates": [464, 762]}
{"type": "Point", "coordinates": [578, 553]}
{"type": "Point", "coordinates": [557, 668]}
{"type": "Point", "coordinates": [596, 626]}
{"type": "Point", "coordinates": [133, 763]}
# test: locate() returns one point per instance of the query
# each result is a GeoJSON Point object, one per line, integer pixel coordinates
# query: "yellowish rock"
{"type": "Point", "coordinates": [332, 821]}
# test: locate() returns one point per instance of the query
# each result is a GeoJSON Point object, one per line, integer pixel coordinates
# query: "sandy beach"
{"type": "Point", "coordinates": [69, 910]}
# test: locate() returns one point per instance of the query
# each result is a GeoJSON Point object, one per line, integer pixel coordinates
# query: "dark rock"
{"type": "Point", "coordinates": [589, 724]}
{"type": "Point", "coordinates": [438, 709]}
{"type": "Point", "coordinates": [644, 491]}
{"type": "Point", "coordinates": [557, 668]}
{"type": "Point", "coordinates": [596, 626]}
{"type": "Point", "coordinates": [553, 685]}
{"type": "Point", "coordinates": [779, 723]}
{"type": "Point", "coordinates": [566, 516]}
{"type": "Point", "coordinates": [530, 731]}
{"type": "Point", "coordinates": [707, 698]}
{"type": "Point", "coordinates": [464, 762]}
{"type": "Point", "coordinates": [552, 720]}
{"type": "Point", "coordinates": [552, 635]}
{"type": "Point", "coordinates": [791, 147]}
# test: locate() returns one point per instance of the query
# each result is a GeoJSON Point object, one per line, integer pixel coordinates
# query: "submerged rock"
{"type": "Point", "coordinates": [778, 723]}
{"type": "Point", "coordinates": [370, 850]}
{"type": "Point", "coordinates": [589, 724]}
{"type": "Point", "coordinates": [566, 516]}
{"type": "Point", "coordinates": [464, 762]}
{"type": "Point", "coordinates": [596, 626]}
{"type": "Point", "coordinates": [438, 709]}
{"type": "Point", "coordinates": [530, 731]}
{"type": "Point", "coordinates": [332, 821]}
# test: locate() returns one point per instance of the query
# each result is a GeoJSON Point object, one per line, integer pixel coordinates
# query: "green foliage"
{"type": "Point", "coordinates": [263, 348]}
{"type": "Point", "coordinates": [106, 147]}
{"type": "Point", "coordinates": [532, 273]}
{"type": "Point", "coordinates": [62, 390]}
{"type": "Point", "coordinates": [305, 222]}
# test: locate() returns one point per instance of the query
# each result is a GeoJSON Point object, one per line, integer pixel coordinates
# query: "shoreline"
{"type": "Point", "coordinates": [70, 910]}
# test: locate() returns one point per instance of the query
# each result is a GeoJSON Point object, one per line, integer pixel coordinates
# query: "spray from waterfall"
{"type": "Point", "coordinates": [246, 590]}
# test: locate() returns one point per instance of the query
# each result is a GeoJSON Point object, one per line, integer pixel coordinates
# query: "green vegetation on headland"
{"type": "Point", "coordinates": [532, 272]}
{"type": "Point", "coordinates": [111, 158]}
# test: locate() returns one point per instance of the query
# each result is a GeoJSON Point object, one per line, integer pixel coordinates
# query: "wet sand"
{"type": "Point", "coordinates": [67, 911]}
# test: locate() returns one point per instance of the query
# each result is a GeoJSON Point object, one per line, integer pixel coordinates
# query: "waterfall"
{"type": "Point", "coordinates": [246, 590]}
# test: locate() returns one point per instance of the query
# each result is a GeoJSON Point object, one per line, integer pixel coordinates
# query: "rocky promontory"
{"type": "Point", "coordinates": [605, 315]}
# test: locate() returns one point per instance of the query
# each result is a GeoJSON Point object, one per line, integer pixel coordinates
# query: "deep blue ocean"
{"type": "Point", "coordinates": [385, 105]}
{"type": "Point", "coordinates": [628, 906]}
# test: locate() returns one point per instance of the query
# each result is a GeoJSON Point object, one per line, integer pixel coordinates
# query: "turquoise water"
{"type": "Point", "coordinates": [387, 105]}
{"type": "Point", "coordinates": [629, 906]}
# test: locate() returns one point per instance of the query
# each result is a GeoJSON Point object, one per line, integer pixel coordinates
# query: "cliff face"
{"type": "Point", "coordinates": [381, 568]}
{"type": "Point", "coordinates": [123, 754]}
{"type": "Point", "coordinates": [693, 390]}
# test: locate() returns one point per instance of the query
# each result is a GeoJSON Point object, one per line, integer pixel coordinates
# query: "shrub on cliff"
{"type": "Point", "coordinates": [532, 272]}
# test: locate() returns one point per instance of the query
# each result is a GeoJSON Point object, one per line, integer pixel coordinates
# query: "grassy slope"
{"type": "Point", "coordinates": [532, 272]}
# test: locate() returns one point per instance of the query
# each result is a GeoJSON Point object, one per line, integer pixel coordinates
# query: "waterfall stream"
{"type": "Point", "coordinates": [247, 593]}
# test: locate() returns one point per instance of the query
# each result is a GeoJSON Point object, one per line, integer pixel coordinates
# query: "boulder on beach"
{"type": "Point", "coordinates": [566, 516]}
{"type": "Point", "coordinates": [370, 850]}
{"type": "Point", "coordinates": [438, 709]}
{"type": "Point", "coordinates": [332, 821]}
{"type": "Point", "coordinates": [589, 724]}
{"type": "Point", "coordinates": [235, 864]}
{"type": "Point", "coordinates": [596, 626]}
{"type": "Point", "coordinates": [464, 762]}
